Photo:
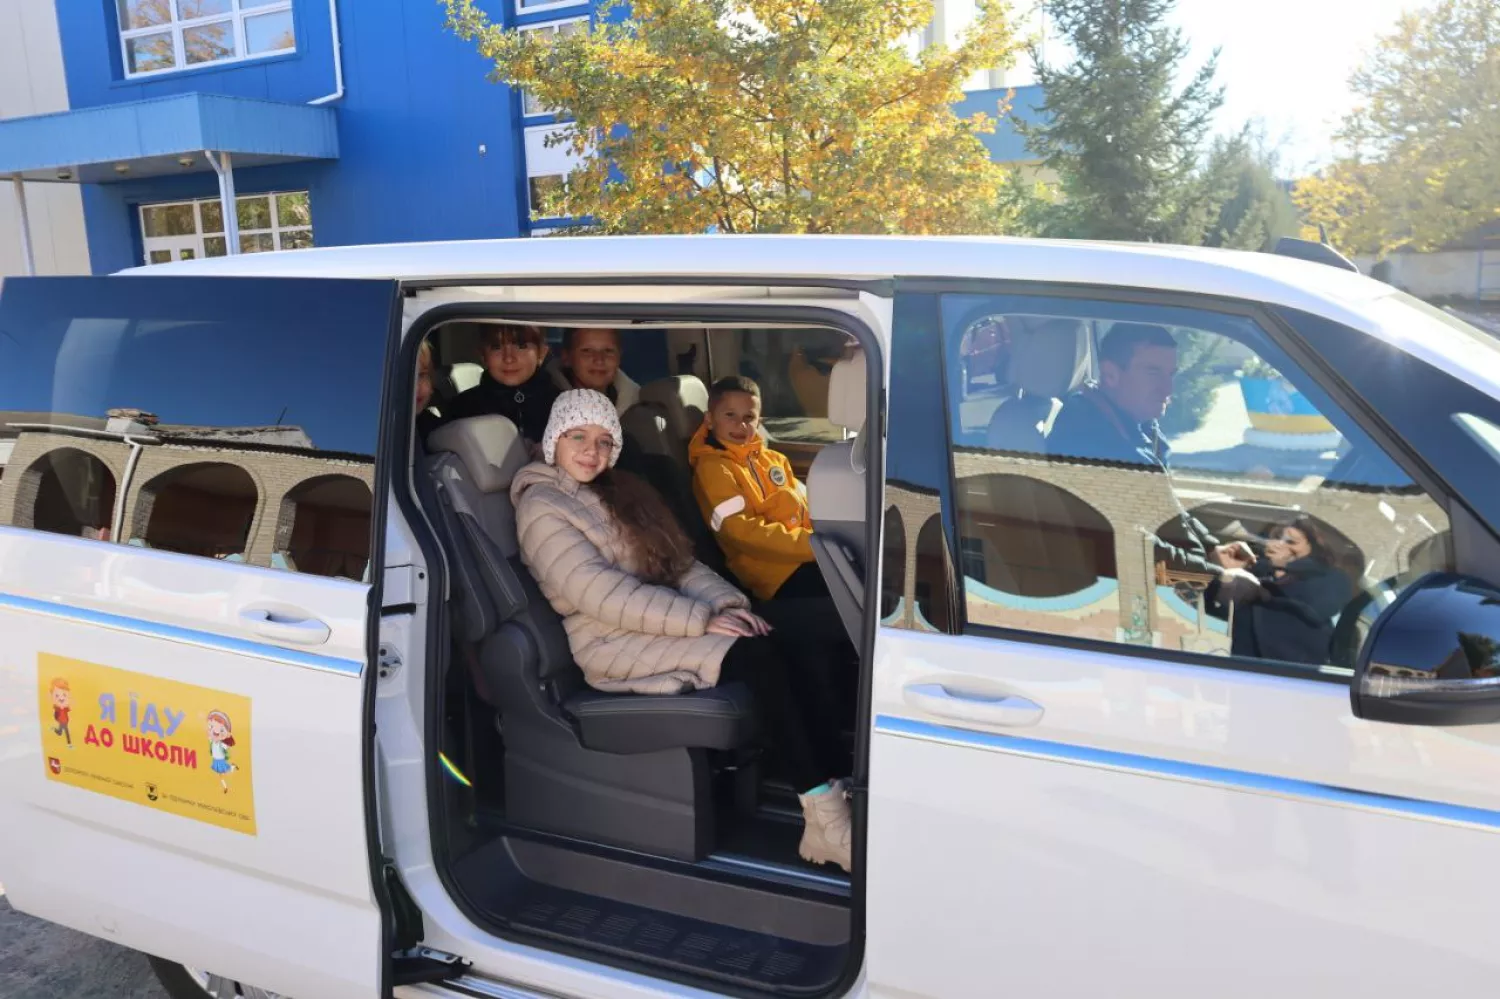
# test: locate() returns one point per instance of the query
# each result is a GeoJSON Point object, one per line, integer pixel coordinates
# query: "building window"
{"type": "Point", "coordinates": [547, 169]}
{"type": "Point", "coordinates": [546, 196]}
{"type": "Point", "coordinates": [159, 36]}
{"type": "Point", "coordinates": [530, 104]}
{"type": "Point", "coordinates": [533, 6]}
{"type": "Point", "coordinates": [186, 230]}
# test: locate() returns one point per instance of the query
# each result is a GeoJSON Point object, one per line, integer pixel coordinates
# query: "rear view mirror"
{"type": "Point", "coordinates": [1433, 656]}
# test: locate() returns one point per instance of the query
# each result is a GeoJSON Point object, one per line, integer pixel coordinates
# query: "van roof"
{"type": "Point", "coordinates": [1353, 299]}
{"type": "Point", "coordinates": [1258, 276]}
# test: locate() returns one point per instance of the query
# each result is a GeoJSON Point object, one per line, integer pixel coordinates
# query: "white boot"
{"type": "Point", "coordinates": [827, 834]}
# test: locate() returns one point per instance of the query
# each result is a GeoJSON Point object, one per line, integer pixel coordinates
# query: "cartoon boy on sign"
{"type": "Point", "coordinates": [220, 741]}
{"type": "Point", "coordinates": [62, 707]}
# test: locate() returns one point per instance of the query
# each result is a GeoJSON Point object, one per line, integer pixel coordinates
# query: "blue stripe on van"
{"type": "Point", "coordinates": [1159, 767]}
{"type": "Point", "coordinates": [172, 633]}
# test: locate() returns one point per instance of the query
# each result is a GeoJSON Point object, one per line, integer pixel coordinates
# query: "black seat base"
{"type": "Point", "coordinates": [717, 718]}
{"type": "Point", "coordinates": [659, 803]}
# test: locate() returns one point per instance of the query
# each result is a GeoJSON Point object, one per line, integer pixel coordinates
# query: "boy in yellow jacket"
{"type": "Point", "coordinates": [751, 498]}
{"type": "Point", "coordinates": [758, 512]}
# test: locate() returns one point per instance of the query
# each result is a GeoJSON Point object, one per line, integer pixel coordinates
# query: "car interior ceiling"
{"type": "Point", "coordinates": [634, 826]}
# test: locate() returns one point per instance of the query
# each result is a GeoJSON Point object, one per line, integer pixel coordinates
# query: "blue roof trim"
{"type": "Point", "coordinates": [1005, 144]}
{"type": "Point", "coordinates": [168, 126]}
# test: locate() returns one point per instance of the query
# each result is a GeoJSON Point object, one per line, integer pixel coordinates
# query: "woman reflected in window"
{"type": "Point", "coordinates": [1285, 607]}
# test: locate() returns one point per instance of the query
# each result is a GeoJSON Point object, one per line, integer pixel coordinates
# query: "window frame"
{"type": "Point", "coordinates": [556, 28]}
{"type": "Point", "coordinates": [1278, 332]}
{"type": "Point", "coordinates": [519, 8]}
{"type": "Point", "coordinates": [546, 169]}
{"type": "Point", "coordinates": [275, 231]}
{"type": "Point", "coordinates": [175, 26]}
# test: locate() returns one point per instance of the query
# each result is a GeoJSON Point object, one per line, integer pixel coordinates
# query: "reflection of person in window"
{"type": "Point", "coordinates": [1288, 614]}
{"type": "Point", "coordinates": [1117, 420]}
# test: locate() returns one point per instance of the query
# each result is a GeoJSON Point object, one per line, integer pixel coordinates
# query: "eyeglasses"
{"type": "Point", "coordinates": [578, 437]}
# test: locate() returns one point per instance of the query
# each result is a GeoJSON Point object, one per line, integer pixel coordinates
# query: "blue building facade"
{"type": "Point", "coordinates": [345, 121]}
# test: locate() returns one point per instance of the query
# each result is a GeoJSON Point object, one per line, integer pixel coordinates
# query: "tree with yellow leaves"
{"type": "Point", "coordinates": [745, 116]}
{"type": "Point", "coordinates": [1420, 163]}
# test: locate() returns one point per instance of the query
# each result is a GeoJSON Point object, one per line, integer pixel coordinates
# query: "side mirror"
{"type": "Point", "coordinates": [1433, 656]}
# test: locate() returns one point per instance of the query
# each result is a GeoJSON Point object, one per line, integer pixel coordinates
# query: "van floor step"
{"type": "Point", "coordinates": [691, 945]}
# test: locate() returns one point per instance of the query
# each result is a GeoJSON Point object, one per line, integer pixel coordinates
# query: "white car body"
{"type": "Point", "coordinates": [1155, 824]}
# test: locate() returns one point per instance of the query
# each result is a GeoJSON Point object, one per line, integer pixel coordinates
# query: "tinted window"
{"type": "Point", "coordinates": [792, 369]}
{"type": "Point", "coordinates": [224, 418]}
{"type": "Point", "coordinates": [1101, 485]}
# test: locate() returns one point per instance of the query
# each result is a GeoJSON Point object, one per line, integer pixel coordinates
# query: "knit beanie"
{"type": "Point", "coordinates": [581, 408]}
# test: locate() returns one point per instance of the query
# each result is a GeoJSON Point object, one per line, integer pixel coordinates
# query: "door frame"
{"type": "Point", "coordinates": [436, 622]}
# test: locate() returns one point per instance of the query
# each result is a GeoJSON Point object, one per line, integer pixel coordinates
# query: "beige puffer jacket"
{"type": "Point", "coordinates": [626, 635]}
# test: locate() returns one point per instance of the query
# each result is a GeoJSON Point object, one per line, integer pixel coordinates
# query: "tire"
{"type": "Point", "coordinates": [183, 983]}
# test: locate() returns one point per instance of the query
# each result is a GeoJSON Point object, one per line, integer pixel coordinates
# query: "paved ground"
{"type": "Point", "coordinates": [42, 961]}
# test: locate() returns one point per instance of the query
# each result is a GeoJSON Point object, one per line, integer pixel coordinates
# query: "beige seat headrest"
{"type": "Point", "coordinates": [1050, 358]}
{"type": "Point", "coordinates": [490, 447]}
{"type": "Point", "coordinates": [847, 391]}
{"type": "Point", "coordinates": [682, 398]}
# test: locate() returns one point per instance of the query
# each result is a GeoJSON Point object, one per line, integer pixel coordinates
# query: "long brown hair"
{"type": "Point", "coordinates": [1317, 542]}
{"type": "Point", "coordinates": [662, 551]}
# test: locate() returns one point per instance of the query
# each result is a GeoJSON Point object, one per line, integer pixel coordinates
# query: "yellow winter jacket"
{"type": "Point", "coordinates": [756, 507]}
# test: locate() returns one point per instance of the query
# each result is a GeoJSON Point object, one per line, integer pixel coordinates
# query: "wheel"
{"type": "Point", "coordinates": [182, 982]}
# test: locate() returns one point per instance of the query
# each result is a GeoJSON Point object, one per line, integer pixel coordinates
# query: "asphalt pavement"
{"type": "Point", "coordinates": [40, 960]}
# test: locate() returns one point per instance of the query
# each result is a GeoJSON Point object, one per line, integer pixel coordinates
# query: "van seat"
{"type": "Point", "coordinates": [628, 770]}
{"type": "Point", "coordinates": [1048, 361]}
{"type": "Point", "coordinates": [669, 412]}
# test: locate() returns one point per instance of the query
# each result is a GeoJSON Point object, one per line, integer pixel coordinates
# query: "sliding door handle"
{"type": "Point", "coordinates": [295, 628]}
{"type": "Point", "coordinates": [1009, 710]}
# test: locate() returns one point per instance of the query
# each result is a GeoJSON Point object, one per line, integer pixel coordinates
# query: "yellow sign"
{"type": "Point", "coordinates": [166, 745]}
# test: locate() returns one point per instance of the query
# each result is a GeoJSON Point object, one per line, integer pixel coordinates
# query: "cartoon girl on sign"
{"type": "Point", "coordinates": [219, 743]}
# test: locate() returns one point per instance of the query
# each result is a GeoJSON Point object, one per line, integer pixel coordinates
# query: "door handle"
{"type": "Point", "coordinates": [284, 626]}
{"type": "Point", "coordinates": [1009, 710]}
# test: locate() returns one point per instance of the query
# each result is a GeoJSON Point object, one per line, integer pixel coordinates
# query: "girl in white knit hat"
{"type": "Point", "coordinates": [641, 614]}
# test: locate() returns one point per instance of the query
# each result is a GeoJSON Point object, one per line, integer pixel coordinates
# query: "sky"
{"type": "Point", "coordinates": [1287, 63]}
{"type": "Point", "coordinates": [1284, 64]}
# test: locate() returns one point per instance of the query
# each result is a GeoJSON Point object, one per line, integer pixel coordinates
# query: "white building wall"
{"type": "Point", "coordinates": [32, 82]}
{"type": "Point", "coordinates": [951, 18]}
{"type": "Point", "coordinates": [1442, 274]}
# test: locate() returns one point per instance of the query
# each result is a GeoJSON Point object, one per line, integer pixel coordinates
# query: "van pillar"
{"type": "Point", "coordinates": [224, 166]}
{"type": "Point", "coordinates": [28, 259]}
